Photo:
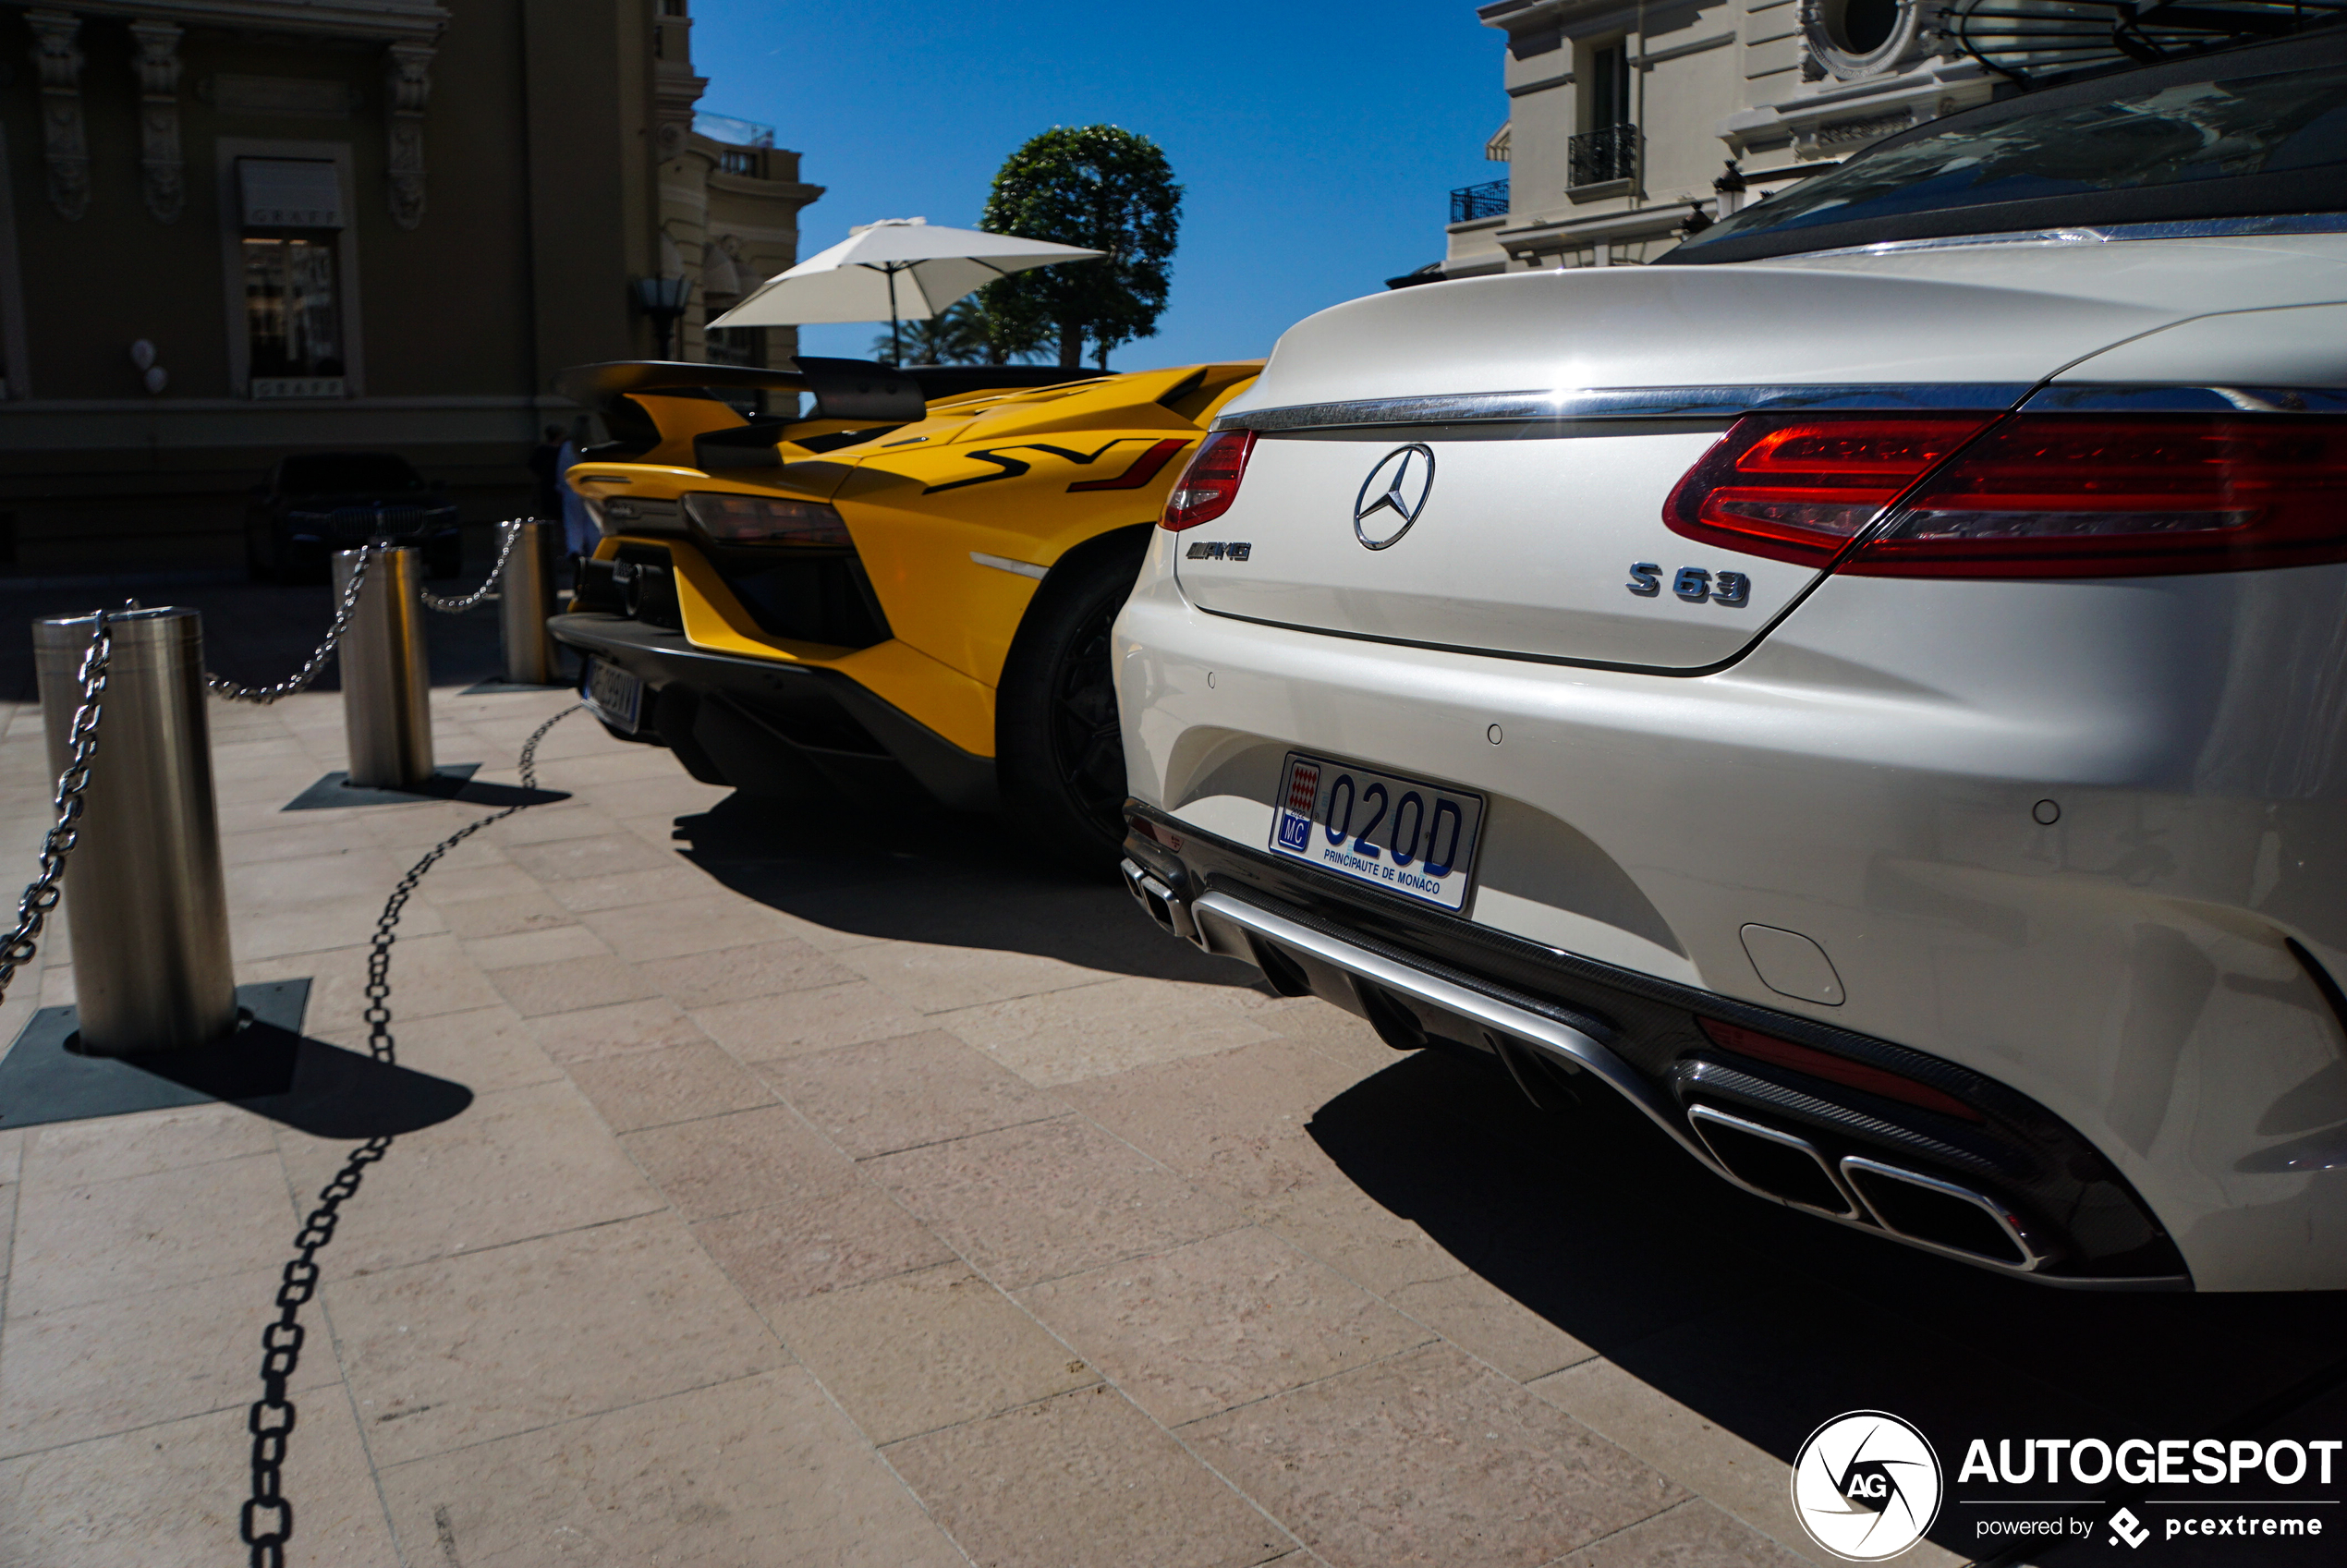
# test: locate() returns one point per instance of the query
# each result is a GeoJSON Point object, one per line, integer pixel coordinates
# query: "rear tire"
{"type": "Point", "coordinates": [1059, 747]}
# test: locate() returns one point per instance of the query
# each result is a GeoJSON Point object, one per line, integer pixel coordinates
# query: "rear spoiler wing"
{"type": "Point", "coordinates": [843, 389]}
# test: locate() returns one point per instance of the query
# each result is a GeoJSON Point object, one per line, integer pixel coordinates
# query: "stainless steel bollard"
{"type": "Point", "coordinates": [526, 601]}
{"type": "Point", "coordinates": [386, 681]}
{"type": "Point", "coordinates": [144, 898]}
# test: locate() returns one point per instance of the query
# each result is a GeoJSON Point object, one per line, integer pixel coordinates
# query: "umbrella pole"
{"type": "Point", "coordinates": [895, 335]}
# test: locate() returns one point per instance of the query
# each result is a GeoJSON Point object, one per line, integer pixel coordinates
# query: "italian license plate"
{"type": "Point", "coordinates": [615, 694]}
{"type": "Point", "coordinates": [1405, 835]}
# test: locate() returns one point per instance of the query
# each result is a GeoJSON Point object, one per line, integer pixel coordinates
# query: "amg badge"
{"type": "Point", "coordinates": [1215, 550]}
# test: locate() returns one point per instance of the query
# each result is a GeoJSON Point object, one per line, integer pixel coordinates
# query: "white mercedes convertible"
{"type": "Point", "coordinates": [1871, 692]}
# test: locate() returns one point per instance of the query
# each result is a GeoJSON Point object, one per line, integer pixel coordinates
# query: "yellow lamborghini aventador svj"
{"type": "Point", "coordinates": [910, 588]}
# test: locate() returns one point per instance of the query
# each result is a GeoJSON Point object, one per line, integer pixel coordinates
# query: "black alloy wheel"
{"type": "Point", "coordinates": [1059, 745]}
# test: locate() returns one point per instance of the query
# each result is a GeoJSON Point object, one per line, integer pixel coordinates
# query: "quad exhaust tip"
{"type": "Point", "coordinates": [1163, 905]}
{"type": "Point", "coordinates": [1927, 1210]}
{"type": "Point", "coordinates": [1773, 1163]}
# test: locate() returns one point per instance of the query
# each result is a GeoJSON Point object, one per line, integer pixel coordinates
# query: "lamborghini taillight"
{"type": "Point", "coordinates": [1210, 483]}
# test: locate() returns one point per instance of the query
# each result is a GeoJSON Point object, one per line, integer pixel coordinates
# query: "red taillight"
{"type": "Point", "coordinates": [2037, 496]}
{"type": "Point", "coordinates": [1833, 1069]}
{"type": "Point", "coordinates": [2069, 495]}
{"type": "Point", "coordinates": [1210, 483]}
{"type": "Point", "coordinates": [1797, 486]}
{"type": "Point", "coordinates": [764, 519]}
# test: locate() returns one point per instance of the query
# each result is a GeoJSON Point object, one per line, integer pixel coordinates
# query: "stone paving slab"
{"type": "Point", "coordinates": [875, 1197]}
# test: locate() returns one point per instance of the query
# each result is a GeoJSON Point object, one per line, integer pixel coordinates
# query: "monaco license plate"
{"type": "Point", "coordinates": [615, 694]}
{"type": "Point", "coordinates": [1405, 835]}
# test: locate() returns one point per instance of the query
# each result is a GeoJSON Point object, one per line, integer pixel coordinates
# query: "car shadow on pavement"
{"type": "Point", "coordinates": [1767, 1323]}
{"type": "Point", "coordinates": [916, 872]}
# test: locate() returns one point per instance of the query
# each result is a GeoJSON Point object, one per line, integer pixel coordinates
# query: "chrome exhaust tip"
{"type": "Point", "coordinates": [1942, 1215]}
{"type": "Point", "coordinates": [1165, 906]}
{"type": "Point", "coordinates": [1773, 1164]}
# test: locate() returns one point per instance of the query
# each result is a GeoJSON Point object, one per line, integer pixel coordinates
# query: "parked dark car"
{"type": "Point", "coordinates": [321, 502]}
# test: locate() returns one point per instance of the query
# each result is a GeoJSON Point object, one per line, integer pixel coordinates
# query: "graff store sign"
{"type": "Point", "coordinates": [1868, 1486]}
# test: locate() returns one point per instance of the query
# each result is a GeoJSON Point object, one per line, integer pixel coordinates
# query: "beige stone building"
{"type": "Point", "coordinates": [1624, 118]}
{"type": "Point", "coordinates": [342, 224]}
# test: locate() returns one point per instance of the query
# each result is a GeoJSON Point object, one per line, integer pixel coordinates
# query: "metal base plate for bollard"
{"type": "Point", "coordinates": [454, 781]}
{"type": "Point", "coordinates": [43, 1078]}
{"type": "Point", "coordinates": [266, 1067]}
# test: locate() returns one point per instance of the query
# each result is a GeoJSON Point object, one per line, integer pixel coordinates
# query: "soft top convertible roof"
{"type": "Point", "coordinates": [2247, 133]}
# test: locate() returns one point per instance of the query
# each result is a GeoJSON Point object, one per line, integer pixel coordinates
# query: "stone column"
{"type": "Point", "coordinates": [65, 144]}
{"type": "Point", "coordinates": [166, 181]}
{"type": "Point", "coordinates": [407, 88]}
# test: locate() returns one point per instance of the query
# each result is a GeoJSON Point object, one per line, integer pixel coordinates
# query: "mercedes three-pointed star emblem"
{"type": "Point", "coordinates": [1399, 485]}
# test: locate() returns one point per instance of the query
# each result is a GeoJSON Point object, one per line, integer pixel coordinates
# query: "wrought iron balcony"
{"type": "Point", "coordinates": [1594, 157]}
{"type": "Point", "coordinates": [1487, 200]}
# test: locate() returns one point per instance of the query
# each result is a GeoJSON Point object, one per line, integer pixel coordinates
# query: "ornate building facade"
{"type": "Point", "coordinates": [233, 229]}
{"type": "Point", "coordinates": [1624, 119]}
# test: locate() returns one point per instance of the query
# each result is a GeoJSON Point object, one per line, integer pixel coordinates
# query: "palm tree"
{"type": "Point", "coordinates": [960, 335]}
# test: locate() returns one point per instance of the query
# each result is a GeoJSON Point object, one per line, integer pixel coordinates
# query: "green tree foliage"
{"type": "Point", "coordinates": [1102, 188]}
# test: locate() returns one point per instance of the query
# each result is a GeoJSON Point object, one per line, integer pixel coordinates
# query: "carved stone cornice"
{"type": "Point", "coordinates": [407, 90]}
{"type": "Point", "coordinates": [65, 141]}
{"type": "Point", "coordinates": [164, 172]}
{"type": "Point", "coordinates": [380, 21]}
{"type": "Point", "coordinates": [674, 87]}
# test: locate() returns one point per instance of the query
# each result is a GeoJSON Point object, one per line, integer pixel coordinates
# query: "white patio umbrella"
{"type": "Point", "coordinates": [896, 270]}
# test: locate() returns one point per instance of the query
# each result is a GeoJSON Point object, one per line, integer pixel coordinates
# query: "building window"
{"type": "Point", "coordinates": [1607, 149]}
{"type": "Point", "coordinates": [292, 296]}
{"type": "Point", "coordinates": [732, 346]}
{"type": "Point", "coordinates": [293, 321]}
{"type": "Point", "coordinates": [1609, 98]}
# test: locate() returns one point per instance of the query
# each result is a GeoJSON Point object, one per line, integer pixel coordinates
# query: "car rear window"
{"type": "Point", "coordinates": [337, 472]}
{"type": "Point", "coordinates": [2162, 144]}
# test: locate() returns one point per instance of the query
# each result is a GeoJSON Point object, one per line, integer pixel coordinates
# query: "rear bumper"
{"type": "Point", "coordinates": [2018, 1190]}
{"type": "Point", "coordinates": [2085, 840]}
{"type": "Point", "coordinates": [769, 727]}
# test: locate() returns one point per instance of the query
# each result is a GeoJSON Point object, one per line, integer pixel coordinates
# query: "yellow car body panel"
{"type": "Point", "coordinates": [960, 709]}
{"type": "Point", "coordinates": [1022, 476]}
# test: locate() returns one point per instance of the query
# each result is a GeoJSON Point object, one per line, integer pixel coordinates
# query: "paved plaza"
{"type": "Point", "coordinates": [839, 1188]}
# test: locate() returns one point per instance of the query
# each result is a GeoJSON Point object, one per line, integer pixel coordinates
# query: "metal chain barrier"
{"type": "Point", "coordinates": [220, 686]}
{"type": "Point", "coordinates": [267, 1520]}
{"type": "Point", "coordinates": [40, 896]}
{"type": "Point", "coordinates": [512, 532]}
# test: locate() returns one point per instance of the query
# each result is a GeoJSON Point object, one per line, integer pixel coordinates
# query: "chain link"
{"type": "Point", "coordinates": [512, 530]}
{"type": "Point", "coordinates": [40, 895]}
{"type": "Point", "coordinates": [223, 687]}
{"type": "Point", "coordinates": [266, 1523]}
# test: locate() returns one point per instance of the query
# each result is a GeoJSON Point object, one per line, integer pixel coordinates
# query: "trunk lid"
{"type": "Point", "coordinates": [1538, 422]}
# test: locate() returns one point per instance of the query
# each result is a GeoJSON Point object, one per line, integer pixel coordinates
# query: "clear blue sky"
{"type": "Point", "coordinates": [1317, 143]}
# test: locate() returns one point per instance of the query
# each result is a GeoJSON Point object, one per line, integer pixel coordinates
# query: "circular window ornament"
{"type": "Point", "coordinates": [1853, 39]}
{"type": "Point", "coordinates": [1866, 1485]}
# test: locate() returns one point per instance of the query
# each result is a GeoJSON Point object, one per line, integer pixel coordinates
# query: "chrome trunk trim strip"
{"type": "Point", "coordinates": [1630, 403]}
